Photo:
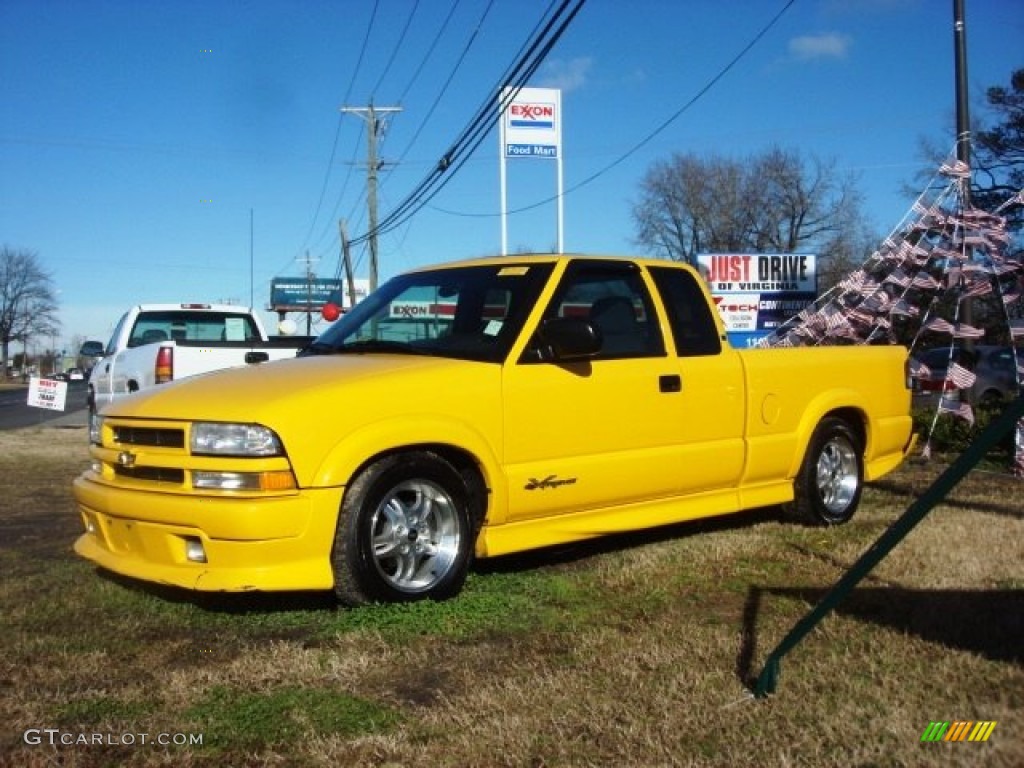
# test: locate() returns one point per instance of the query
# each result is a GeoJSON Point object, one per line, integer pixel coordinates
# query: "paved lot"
{"type": "Point", "coordinates": [15, 411]}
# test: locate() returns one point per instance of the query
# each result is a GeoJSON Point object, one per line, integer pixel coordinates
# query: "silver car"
{"type": "Point", "coordinates": [994, 366]}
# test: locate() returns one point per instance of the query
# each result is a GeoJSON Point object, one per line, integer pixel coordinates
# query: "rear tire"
{"type": "Point", "coordinates": [404, 532]}
{"type": "Point", "coordinates": [990, 400]}
{"type": "Point", "coordinates": [828, 487]}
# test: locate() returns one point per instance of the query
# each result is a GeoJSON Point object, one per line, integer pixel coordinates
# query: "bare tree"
{"type": "Point", "coordinates": [28, 304]}
{"type": "Point", "coordinates": [689, 206]}
{"type": "Point", "coordinates": [997, 156]}
{"type": "Point", "coordinates": [773, 202]}
{"type": "Point", "coordinates": [999, 152]}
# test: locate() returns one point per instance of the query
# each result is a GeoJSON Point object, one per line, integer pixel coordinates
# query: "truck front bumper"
{"type": "Point", "coordinates": [277, 543]}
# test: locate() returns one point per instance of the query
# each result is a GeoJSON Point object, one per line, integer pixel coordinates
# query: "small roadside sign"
{"type": "Point", "coordinates": [47, 393]}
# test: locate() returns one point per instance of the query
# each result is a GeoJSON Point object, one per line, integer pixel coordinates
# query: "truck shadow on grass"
{"type": "Point", "coordinates": [1009, 506]}
{"type": "Point", "coordinates": [568, 556]}
{"type": "Point", "coordinates": [989, 623]}
{"type": "Point", "coordinates": [563, 557]}
{"type": "Point", "coordinates": [227, 602]}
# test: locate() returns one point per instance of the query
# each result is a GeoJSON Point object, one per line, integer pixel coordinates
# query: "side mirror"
{"type": "Point", "coordinates": [91, 349]}
{"type": "Point", "coordinates": [568, 338]}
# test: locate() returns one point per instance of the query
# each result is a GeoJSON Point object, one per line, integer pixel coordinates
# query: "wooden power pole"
{"type": "Point", "coordinates": [346, 259]}
{"type": "Point", "coordinates": [374, 126]}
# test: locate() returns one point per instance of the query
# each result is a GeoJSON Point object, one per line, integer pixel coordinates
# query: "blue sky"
{"type": "Point", "coordinates": [138, 139]}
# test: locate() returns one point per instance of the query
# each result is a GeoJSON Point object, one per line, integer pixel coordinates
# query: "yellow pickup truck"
{"type": "Point", "coordinates": [475, 409]}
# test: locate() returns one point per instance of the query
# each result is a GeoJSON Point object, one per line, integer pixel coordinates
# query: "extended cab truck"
{"type": "Point", "coordinates": [476, 409]}
{"type": "Point", "coordinates": [156, 343]}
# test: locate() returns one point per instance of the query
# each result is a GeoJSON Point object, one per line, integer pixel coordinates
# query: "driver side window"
{"type": "Point", "coordinates": [614, 299]}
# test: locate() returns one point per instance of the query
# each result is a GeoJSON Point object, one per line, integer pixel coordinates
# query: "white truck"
{"type": "Point", "coordinates": [156, 343]}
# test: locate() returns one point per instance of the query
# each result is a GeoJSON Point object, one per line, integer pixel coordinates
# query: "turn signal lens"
{"type": "Point", "coordinates": [244, 481]}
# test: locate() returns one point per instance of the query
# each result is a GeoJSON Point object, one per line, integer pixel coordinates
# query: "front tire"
{"type": "Point", "coordinates": [404, 532]}
{"type": "Point", "coordinates": [828, 487]}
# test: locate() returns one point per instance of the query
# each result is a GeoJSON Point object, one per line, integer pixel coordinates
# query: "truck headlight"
{"type": "Point", "coordinates": [223, 439]}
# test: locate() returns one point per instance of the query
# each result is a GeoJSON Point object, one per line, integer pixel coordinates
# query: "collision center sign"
{"type": "Point", "coordinates": [757, 292]}
{"type": "Point", "coordinates": [532, 123]}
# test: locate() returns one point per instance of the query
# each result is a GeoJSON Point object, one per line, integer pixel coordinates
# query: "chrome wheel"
{"type": "Point", "coordinates": [838, 474]}
{"type": "Point", "coordinates": [827, 488]}
{"type": "Point", "coordinates": [416, 534]}
{"type": "Point", "coordinates": [405, 531]}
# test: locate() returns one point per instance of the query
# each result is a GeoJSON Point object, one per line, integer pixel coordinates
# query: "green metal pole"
{"type": "Point", "coordinates": [768, 679]}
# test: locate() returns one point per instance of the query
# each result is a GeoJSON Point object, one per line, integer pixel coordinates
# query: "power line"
{"type": "Point", "coordinates": [341, 117]}
{"type": "Point", "coordinates": [328, 228]}
{"type": "Point", "coordinates": [430, 52]}
{"type": "Point", "coordinates": [486, 116]}
{"type": "Point", "coordinates": [395, 49]}
{"type": "Point", "coordinates": [658, 130]}
{"type": "Point", "coordinates": [436, 101]}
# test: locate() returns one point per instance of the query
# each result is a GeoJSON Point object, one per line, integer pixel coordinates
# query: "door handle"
{"type": "Point", "coordinates": [671, 382]}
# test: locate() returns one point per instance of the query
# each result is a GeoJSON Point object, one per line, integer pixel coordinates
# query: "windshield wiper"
{"type": "Point", "coordinates": [316, 348]}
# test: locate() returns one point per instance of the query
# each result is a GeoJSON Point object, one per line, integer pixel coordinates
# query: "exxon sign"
{"type": "Point", "coordinates": [531, 115]}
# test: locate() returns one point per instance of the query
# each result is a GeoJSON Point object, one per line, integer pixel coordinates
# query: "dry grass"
{"type": "Point", "coordinates": [633, 652]}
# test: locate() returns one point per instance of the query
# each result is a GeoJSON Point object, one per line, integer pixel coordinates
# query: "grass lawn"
{"type": "Point", "coordinates": [634, 651]}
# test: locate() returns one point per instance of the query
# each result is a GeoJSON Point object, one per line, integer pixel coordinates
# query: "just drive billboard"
{"type": "Point", "coordinates": [757, 292]}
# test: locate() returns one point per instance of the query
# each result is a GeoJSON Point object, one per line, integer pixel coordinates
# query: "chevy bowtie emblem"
{"type": "Point", "coordinates": [126, 459]}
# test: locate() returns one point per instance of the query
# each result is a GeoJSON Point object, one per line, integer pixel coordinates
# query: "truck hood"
{"type": "Point", "coordinates": [319, 405]}
{"type": "Point", "coordinates": [259, 393]}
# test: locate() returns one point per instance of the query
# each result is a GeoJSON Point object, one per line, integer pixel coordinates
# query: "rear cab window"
{"type": "Point", "coordinates": [192, 326]}
{"type": "Point", "coordinates": [693, 326]}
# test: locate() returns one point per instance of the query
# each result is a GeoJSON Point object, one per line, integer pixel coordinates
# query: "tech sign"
{"type": "Point", "coordinates": [757, 292]}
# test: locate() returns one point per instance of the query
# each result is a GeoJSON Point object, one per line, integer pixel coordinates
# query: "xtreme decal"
{"type": "Point", "coordinates": [551, 481]}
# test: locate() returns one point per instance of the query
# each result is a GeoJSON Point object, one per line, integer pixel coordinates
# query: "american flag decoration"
{"type": "Point", "coordinates": [960, 377]}
{"type": "Point", "coordinates": [957, 408]}
{"type": "Point", "coordinates": [965, 331]}
{"type": "Point", "coordinates": [917, 284]}
{"type": "Point", "coordinates": [919, 370]}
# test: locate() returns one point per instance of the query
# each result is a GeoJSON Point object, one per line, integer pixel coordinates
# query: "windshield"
{"type": "Point", "coordinates": [472, 313]}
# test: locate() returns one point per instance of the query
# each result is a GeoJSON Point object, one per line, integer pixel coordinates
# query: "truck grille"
{"type": "Point", "coordinates": [154, 455]}
{"type": "Point", "coordinates": [165, 438]}
{"type": "Point", "coordinates": [153, 474]}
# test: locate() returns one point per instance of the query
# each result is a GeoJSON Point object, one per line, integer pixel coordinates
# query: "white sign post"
{"type": "Point", "coordinates": [531, 126]}
{"type": "Point", "coordinates": [47, 393]}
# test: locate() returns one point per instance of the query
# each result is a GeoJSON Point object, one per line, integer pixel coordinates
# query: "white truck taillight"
{"type": "Point", "coordinates": [164, 364]}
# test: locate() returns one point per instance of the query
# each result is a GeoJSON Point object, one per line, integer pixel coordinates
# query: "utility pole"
{"type": "Point", "coordinates": [374, 126]}
{"type": "Point", "coordinates": [346, 258]}
{"type": "Point", "coordinates": [252, 299]}
{"type": "Point", "coordinates": [963, 127]}
{"type": "Point", "coordinates": [963, 120]}
{"type": "Point", "coordinates": [309, 295]}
